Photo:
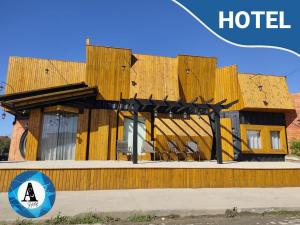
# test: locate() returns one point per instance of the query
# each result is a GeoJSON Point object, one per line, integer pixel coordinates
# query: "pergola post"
{"type": "Point", "coordinates": [152, 125]}
{"type": "Point", "coordinates": [218, 137]}
{"type": "Point", "coordinates": [135, 137]}
{"type": "Point", "coordinates": [117, 133]}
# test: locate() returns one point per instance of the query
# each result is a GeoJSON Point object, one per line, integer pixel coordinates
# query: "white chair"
{"type": "Point", "coordinates": [192, 147]}
{"type": "Point", "coordinates": [148, 147]}
{"type": "Point", "coordinates": [122, 146]}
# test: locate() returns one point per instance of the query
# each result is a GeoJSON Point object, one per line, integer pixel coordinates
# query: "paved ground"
{"type": "Point", "coordinates": [147, 164]}
{"type": "Point", "coordinates": [162, 202]}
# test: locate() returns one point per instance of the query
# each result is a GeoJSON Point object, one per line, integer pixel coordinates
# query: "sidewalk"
{"type": "Point", "coordinates": [121, 203]}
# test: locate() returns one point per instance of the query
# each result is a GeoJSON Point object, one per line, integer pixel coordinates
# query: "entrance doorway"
{"type": "Point", "coordinates": [128, 132]}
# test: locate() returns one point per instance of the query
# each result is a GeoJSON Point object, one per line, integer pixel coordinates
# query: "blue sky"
{"type": "Point", "coordinates": [57, 29]}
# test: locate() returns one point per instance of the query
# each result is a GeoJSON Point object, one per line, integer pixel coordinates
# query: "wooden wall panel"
{"type": "Point", "coordinates": [227, 140]}
{"type": "Point", "coordinates": [274, 93]}
{"type": "Point", "coordinates": [34, 132]}
{"type": "Point", "coordinates": [112, 135]}
{"type": "Point", "coordinates": [82, 135]}
{"type": "Point", "coordinates": [26, 74]}
{"type": "Point", "coordinates": [227, 86]}
{"type": "Point", "coordinates": [154, 75]}
{"type": "Point", "coordinates": [183, 130]}
{"type": "Point", "coordinates": [143, 178]}
{"type": "Point", "coordinates": [109, 70]}
{"type": "Point", "coordinates": [99, 135]}
{"type": "Point", "coordinates": [196, 77]}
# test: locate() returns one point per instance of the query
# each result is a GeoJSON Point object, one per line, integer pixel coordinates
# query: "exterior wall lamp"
{"type": "Point", "coordinates": [184, 115]}
{"type": "Point", "coordinates": [188, 71]}
{"type": "Point", "coordinates": [3, 115]}
{"type": "Point", "coordinates": [155, 113]}
{"type": "Point", "coordinates": [170, 114]}
{"type": "Point", "coordinates": [260, 87]}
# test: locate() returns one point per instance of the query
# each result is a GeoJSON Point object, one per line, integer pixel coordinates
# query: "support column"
{"type": "Point", "coordinates": [152, 126]}
{"type": "Point", "coordinates": [117, 134]}
{"type": "Point", "coordinates": [218, 137]}
{"type": "Point", "coordinates": [135, 137]}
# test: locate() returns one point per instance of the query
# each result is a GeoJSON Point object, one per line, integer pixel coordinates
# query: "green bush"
{"type": "Point", "coordinates": [4, 145]}
{"type": "Point", "coordinates": [295, 147]}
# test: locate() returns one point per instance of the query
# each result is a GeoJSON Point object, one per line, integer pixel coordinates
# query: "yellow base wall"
{"type": "Point", "coordinates": [138, 178]}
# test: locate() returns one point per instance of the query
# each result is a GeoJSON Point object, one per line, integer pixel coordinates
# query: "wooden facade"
{"type": "Point", "coordinates": [118, 73]}
{"type": "Point", "coordinates": [141, 178]}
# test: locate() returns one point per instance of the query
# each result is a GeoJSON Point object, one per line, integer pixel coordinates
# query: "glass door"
{"type": "Point", "coordinates": [58, 139]}
{"type": "Point", "coordinates": [128, 132]}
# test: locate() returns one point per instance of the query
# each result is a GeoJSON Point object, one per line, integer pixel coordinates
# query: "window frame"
{"type": "Point", "coordinates": [260, 136]}
{"type": "Point", "coordinates": [265, 139]}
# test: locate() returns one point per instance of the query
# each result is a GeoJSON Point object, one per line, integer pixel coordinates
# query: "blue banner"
{"type": "Point", "coordinates": [250, 23]}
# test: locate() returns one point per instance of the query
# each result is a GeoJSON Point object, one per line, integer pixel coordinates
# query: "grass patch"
{"type": "Point", "coordinates": [141, 218]}
{"type": "Point", "coordinates": [24, 222]}
{"type": "Point", "coordinates": [88, 218]}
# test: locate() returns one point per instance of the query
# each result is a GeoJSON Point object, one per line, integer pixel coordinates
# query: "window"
{"type": "Point", "coordinates": [275, 139]}
{"type": "Point", "coordinates": [58, 140]}
{"type": "Point", "coordinates": [254, 139]}
{"type": "Point", "coordinates": [23, 141]}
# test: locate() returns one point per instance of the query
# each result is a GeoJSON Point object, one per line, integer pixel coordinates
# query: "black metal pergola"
{"type": "Point", "coordinates": [136, 105]}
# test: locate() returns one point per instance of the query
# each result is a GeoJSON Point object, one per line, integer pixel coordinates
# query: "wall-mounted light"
{"type": "Point", "coordinates": [260, 87]}
{"type": "Point", "coordinates": [46, 71]}
{"type": "Point", "coordinates": [57, 116]}
{"type": "Point", "coordinates": [188, 71]}
{"type": "Point", "coordinates": [184, 115]}
{"type": "Point", "coordinates": [133, 83]}
{"type": "Point", "coordinates": [265, 103]}
{"type": "Point", "coordinates": [171, 114]}
{"type": "Point", "coordinates": [3, 115]}
{"type": "Point", "coordinates": [155, 113]}
{"type": "Point", "coordinates": [123, 67]}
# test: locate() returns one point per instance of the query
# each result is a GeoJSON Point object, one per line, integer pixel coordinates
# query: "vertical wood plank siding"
{"type": "Point", "coordinates": [196, 77]}
{"type": "Point", "coordinates": [227, 140]}
{"type": "Point", "coordinates": [34, 133]}
{"type": "Point", "coordinates": [109, 70]}
{"type": "Point", "coordinates": [99, 136]}
{"type": "Point", "coordinates": [25, 74]}
{"type": "Point", "coordinates": [137, 178]}
{"type": "Point", "coordinates": [227, 86]}
{"type": "Point", "coordinates": [154, 75]}
{"type": "Point", "coordinates": [82, 135]}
